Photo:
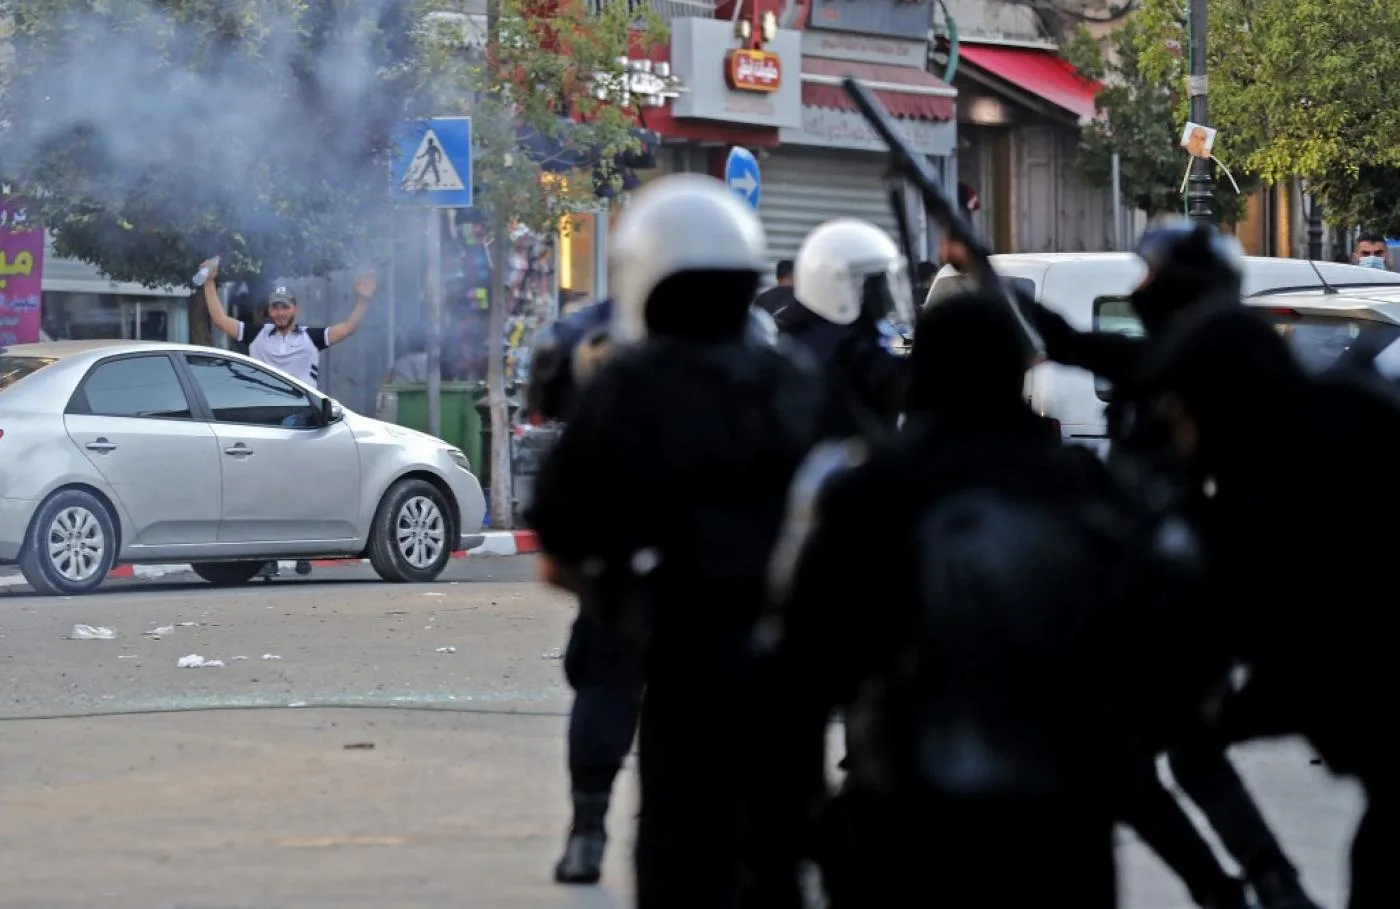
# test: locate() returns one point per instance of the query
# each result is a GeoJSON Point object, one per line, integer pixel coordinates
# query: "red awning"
{"type": "Point", "coordinates": [905, 91]}
{"type": "Point", "coordinates": [1043, 73]}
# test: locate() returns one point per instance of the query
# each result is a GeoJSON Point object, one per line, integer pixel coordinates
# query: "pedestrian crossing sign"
{"type": "Point", "coordinates": [433, 164]}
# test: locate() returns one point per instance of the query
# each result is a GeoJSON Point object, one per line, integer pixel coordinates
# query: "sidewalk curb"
{"type": "Point", "coordinates": [497, 543]}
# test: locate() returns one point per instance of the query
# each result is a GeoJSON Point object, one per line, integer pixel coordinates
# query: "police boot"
{"type": "Point", "coordinates": [1281, 889]}
{"type": "Point", "coordinates": [582, 862]}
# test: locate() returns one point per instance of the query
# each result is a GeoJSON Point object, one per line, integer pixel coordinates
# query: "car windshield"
{"type": "Point", "coordinates": [13, 368]}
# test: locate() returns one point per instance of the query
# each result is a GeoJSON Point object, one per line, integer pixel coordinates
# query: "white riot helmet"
{"type": "Point", "coordinates": [676, 224]}
{"type": "Point", "coordinates": [847, 265]}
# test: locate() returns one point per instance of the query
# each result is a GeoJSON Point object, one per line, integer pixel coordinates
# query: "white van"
{"type": "Point", "coordinates": [1091, 291]}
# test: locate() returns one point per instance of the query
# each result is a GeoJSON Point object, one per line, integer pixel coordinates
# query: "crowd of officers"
{"type": "Point", "coordinates": [770, 525]}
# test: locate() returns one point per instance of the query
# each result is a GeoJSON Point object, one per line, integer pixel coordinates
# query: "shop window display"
{"type": "Point", "coordinates": [530, 299]}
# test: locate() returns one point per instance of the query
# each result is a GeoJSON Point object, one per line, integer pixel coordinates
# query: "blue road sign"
{"type": "Point", "coordinates": [741, 174]}
{"type": "Point", "coordinates": [433, 167]}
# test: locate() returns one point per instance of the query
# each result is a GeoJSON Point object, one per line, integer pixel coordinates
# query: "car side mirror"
{"type": "Point", "coordinates": [331, 411]}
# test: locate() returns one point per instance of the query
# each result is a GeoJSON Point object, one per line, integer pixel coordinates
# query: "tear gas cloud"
{"type": "Point", "coordinates": [183, 120]}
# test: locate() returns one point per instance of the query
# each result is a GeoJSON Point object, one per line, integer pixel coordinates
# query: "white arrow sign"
{"type": "Point", "coordinates": [746, 184]}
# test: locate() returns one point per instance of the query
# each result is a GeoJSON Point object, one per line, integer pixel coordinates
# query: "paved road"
{"type": "Point", "coordinates": [461, 803]}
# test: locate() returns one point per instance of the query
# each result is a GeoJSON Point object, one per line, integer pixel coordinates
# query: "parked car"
{"type": "Point", "coordinates": [121, 451]}
{"type": "Point", "coordinates": [1091, 291]}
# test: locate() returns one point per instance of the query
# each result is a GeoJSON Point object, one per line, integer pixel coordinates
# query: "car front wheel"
{"type": "Point", "coordinates": [72, 544]}
{"type": "Point", "coordinates": [227, 574]}
{"type": "Point", "coordinates": [411, 537]}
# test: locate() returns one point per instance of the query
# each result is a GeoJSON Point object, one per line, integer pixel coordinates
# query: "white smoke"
{"type": "Point", "coordinates": [189, 120]}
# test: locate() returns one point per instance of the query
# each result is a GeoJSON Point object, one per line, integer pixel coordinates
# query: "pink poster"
{"type": "Point", "coordinates": [21, 274]}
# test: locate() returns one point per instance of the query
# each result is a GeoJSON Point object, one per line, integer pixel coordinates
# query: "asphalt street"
{"type": "Point", "coordinates": [405, 748]}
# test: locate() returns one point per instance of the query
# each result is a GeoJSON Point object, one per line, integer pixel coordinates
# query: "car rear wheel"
{"type": "Point", "coordinates": [411, 537]}
{"type": "Point", "coordinates": [227, 574]}
{"type": "Point", "coordinates": [71, 546]}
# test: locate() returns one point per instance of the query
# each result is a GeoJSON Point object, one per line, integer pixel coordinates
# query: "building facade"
{"type": "Point", "coordinates": [781, 98]}
{"type": "Point", "coordinates": [1019, 118]}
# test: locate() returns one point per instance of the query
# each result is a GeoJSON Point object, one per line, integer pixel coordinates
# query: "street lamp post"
{"type": "Point", "coordinates": [1314, 227]}
{"type": "Point", "coordinates": [1201, 186]}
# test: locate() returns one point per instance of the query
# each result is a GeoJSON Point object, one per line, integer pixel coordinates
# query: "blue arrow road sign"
{"type": "Point", "coordinates": [741, 173]}
{"type": "Point", "coordinates": [433, 164]}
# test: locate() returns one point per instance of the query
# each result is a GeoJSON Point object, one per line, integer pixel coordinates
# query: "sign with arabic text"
{"type": "Point", "coordinates": [886, 18]}
{"type": "Point", "coordinates": [21, 274]}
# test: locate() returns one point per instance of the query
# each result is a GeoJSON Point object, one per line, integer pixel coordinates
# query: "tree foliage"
{"type": "Point", "coordinates": [150, 134]}
{"type": "Point", "coordinates": [1299, 89]}
{"type": "Point", "coordinates": [1143, 108]}
{"type": "Point", "coordinates": [550, 117]}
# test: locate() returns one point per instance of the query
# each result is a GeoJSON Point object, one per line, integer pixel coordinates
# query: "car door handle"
{"type": "Point", "coordinates": [100, 444]}
{"type": "Point", "coordinates": [239, 450]}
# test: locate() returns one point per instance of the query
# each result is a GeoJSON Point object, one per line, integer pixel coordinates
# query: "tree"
{"type": "Point", "coordinates": [547, 100]}
{"type": "Point", "coordinates": [153, 133]}
{"type": "Point", "coordinates": [1142, 114]}
{"type": "Point", "coordinates": [1299, 89]}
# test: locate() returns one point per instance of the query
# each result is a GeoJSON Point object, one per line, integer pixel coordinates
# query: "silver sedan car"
{"type": "Point", "coordinates": [121, 451]}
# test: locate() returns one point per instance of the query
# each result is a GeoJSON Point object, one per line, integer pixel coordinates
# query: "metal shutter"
{"type": "Point", "coordinates": [804, 187]}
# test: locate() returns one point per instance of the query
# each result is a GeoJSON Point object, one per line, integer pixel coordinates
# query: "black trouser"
{"type": "Point", "coordinates": [603, 669]}
{"type": "Point", "coordinates": [692, 833]}
{"type": "Point", "coordinates": [1204, 772]}
{"type": "Point", "coordinates": [972, 852]}
{"type": "Point", "coordinates": [1161, 823]}
{"type": "Point", "coordinates": [1207, 776]}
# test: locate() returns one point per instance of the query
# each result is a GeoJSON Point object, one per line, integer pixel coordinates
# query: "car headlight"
{"type": "Point", "coordinates": [460, 459]}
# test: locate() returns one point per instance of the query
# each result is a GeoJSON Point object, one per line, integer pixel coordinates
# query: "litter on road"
{"type": "Point", "coordinates": [447, 650]}
{"type": "Point", "coordinates": [92, 633]}
{"type": "Point", "coordinates": [195, 661]}
{"type": "Point", "coordinates": [161, 631]}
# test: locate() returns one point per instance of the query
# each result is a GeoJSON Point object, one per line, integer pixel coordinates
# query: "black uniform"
{"type": "Point", "coordinates": [999, 665]}
{"type": "Point", "coordinates": [1188, 278]}
{"type": "Point", "coordinates": [865, 380]}
{"type": "Point", "coordinates": [663, 498]}
{"type": "Point", "coordinates": [1311, 630]}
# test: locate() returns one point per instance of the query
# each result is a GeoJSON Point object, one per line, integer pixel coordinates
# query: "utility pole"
{"type": "Point", "coordinates": [1201, 186]}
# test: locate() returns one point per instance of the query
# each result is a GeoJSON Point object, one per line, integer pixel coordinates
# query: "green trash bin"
{"type": "Point", "coordinates": [407, 405]}
{"type": "Point", "coordinates": [483, 416]}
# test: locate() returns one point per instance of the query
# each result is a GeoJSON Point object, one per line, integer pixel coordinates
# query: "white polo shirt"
{"type": "Point", "coordinates": [297, 352]}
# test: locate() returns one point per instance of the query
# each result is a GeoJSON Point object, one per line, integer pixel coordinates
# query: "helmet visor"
{"type": "Point", "coordinates": [886, 294]}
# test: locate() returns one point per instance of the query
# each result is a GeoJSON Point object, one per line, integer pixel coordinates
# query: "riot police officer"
{"type": "Point", "coordinates": [850, 283]}
{"type": "Point", "coordinates": [1190, 268]}
{"type": "Point", "coordinates": [599, 664]}
{"type": "Point", "coordinates": [660, 504]}
{"type": "Point", "coordinates": [987, 683]}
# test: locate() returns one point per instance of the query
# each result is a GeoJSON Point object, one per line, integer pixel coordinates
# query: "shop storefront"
{"type": "Point", "coordinates": [832, 165]}
{"type": "Point", "coordinates": [1022, 111]}
{"type": "Point", "coordinates": [581, 242]}
{"type": "Point", "coordinates": [79, 304]}
{"type": "Point", "coordinates": [780, 95]}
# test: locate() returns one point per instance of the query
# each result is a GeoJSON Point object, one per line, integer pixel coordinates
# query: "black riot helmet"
{"type": "Point", "coordinates": [1188, 264]}
{"type": "Point", "coordinates": [553, 386]}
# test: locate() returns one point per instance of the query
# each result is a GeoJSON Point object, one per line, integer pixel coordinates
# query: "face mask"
{"type": "Point", "coordinates": [1372, 262]}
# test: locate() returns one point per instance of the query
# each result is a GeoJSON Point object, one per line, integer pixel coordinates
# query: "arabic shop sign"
{"type": "Point", "coordinates": [21, 274]}
{"type": "Point", "coordinates": [749, 70]}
